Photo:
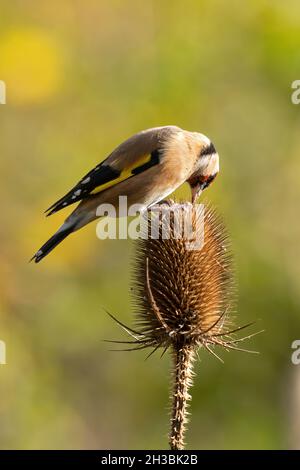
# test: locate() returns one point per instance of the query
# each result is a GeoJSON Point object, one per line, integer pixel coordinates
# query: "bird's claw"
{"type": "Point", "coordinates": [169, 202]}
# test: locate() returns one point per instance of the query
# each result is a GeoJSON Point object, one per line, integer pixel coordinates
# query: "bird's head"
{"type": "Point", "coordinates": [206, 165]}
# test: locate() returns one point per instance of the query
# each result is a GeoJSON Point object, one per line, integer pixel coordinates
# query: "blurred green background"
{"type": "Point", "coordinates": [81, 77]}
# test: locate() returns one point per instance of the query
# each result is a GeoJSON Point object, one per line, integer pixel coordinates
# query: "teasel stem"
{"type": "Point", "coordinates": [183, 358]}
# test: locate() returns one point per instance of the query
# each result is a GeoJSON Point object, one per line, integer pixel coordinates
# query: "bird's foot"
{"type": "Point", "coordinates": [159, 205]}
{"type": "Point", "coordinates": [169, 202]}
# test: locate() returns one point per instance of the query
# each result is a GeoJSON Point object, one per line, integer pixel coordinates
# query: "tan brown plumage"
{"type": "Point", "coordinates": [146, 168]}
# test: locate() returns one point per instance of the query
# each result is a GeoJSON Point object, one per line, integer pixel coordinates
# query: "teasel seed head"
{"type": "Point", "coordinates": [183, 294]}
{"type": "Point", "coordinates": [184, 286]}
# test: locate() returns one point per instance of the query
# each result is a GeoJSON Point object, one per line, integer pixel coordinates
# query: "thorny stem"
{"type": "Point", "coordinates": [183, 357]}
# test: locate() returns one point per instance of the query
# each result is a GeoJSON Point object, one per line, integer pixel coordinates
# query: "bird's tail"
{"type": "Point", "coordinates": [58, 237]}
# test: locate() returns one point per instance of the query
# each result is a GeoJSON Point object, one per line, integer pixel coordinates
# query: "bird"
{"type": "Point", "coordinates": [146, 168]}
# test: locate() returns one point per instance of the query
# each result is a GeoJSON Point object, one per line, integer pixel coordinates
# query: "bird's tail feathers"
{"type": "Point", "coordinates": [58, 237]}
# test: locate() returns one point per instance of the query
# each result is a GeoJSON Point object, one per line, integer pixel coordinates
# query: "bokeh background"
{"type": "Point", "coordinates": [81, 77]}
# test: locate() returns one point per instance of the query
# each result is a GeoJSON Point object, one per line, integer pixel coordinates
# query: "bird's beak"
{"type": "Point", "coordinates": [196, 191]}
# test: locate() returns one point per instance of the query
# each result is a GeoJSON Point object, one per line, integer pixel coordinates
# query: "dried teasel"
{"type": "Point", "coordinates": [183, 294]}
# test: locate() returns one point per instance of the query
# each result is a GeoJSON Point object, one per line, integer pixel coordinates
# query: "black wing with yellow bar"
{"type": "Point", "coordinates": [103, 177]}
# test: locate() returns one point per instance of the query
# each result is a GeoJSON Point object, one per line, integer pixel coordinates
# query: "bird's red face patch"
{"type": "Point", "coordinates": [205, 181]}
{"type": "Point", "coordinates": [202, 181]}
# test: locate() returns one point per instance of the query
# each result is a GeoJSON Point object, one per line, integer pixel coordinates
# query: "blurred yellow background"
{"type": "Point", "coordinates": [82, 76]}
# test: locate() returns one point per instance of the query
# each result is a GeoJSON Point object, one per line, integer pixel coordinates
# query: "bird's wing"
{"type": "Point", "coordinates": [134, 156]}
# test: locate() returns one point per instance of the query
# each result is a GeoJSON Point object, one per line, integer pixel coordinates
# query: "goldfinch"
{"type": "Point", "coordinates": [146, 168]}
